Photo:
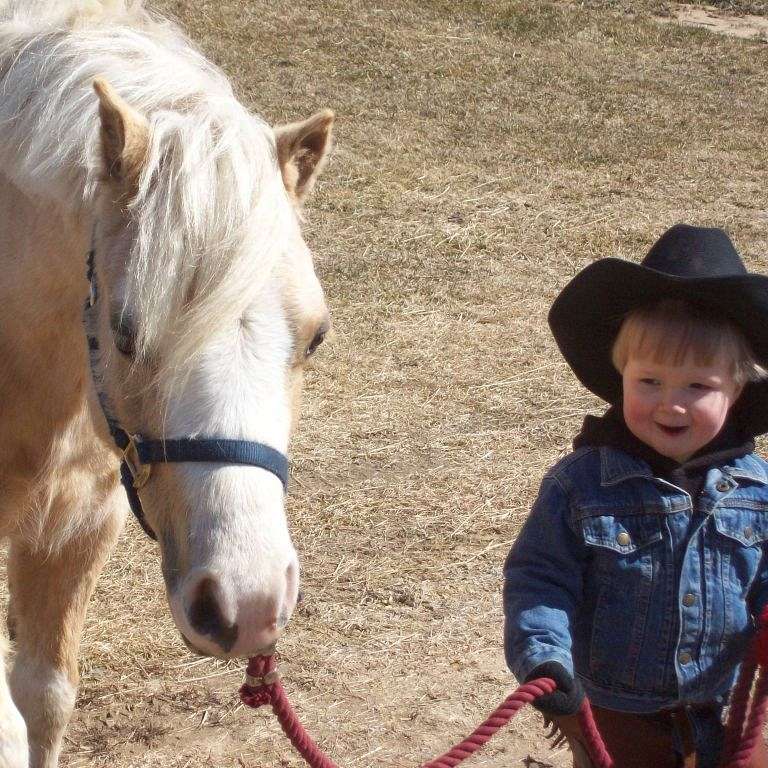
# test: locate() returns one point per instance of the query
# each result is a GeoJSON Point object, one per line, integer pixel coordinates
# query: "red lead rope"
{"type": "Point", "coordinates": [743, 729]}
{"type": "Point", "coordinates": [745, 717]}
{"type": "Point", "coordinates": [262, 686]}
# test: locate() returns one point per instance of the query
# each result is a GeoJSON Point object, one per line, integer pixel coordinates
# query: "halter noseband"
{"type": "Point", "coordinates": [139, 454]}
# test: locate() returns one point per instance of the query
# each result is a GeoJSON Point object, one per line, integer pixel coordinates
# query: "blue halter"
{"type": "Point", "coordinates": [139, 454]}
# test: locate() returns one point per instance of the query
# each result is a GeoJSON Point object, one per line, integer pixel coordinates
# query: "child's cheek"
{"type": "Point", "coordinates": [633, 410]}
{"type": "Point", "coordinates": [713, 411]}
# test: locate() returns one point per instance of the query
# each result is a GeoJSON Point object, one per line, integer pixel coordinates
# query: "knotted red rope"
{"type": "Point", "coordinates": [743, 729]}
{"type": "Point", "coordinates": [262, 686]}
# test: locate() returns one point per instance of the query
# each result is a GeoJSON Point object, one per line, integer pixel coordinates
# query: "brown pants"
{"type": "Point", "coordinates": [642, 741]}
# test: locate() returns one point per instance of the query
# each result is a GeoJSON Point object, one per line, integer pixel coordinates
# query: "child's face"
{"type": "Point", "coordinates": [677, 409]}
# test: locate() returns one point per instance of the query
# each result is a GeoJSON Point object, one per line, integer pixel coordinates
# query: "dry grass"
{"type": "Point", "coordinates": [486, 151]}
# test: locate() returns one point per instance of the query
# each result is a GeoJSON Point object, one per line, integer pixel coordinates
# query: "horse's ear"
{"type": "Point", "coordinates": [124, 136]}
{"type": "Point", "coordinates": [302, 149]}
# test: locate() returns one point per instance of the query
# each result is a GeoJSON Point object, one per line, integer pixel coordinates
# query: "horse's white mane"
{"type": "Point", "coordinates": [211, 180]}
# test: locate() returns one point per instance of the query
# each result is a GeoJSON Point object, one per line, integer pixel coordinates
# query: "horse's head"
{"type": "Point", "coordinates": [209, 307]}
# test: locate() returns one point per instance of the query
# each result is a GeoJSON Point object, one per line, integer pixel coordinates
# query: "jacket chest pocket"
{"type": "Point", "coordinates": [745, 526]}
{"type": "Point", "coordinates": [624, 534]}
{"type": "Point", "coordinates": [626, 554]}
{"type": "Point", "coordinates": [740, 535]}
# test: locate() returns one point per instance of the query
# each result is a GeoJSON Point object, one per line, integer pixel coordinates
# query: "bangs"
{"type": "Point", "coordinates": [673, 331]}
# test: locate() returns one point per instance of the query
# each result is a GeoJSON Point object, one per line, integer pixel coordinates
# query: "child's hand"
{"type": "Point", "coordinates": [566, 700]}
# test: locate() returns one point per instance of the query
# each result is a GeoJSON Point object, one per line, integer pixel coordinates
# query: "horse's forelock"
{"type": "Point", "coordinates": [210, 204]}
{"type": "Point", "coordinates": [210, 209]}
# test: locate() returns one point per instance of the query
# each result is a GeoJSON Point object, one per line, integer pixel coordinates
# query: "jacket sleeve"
{"type": "Point", "coordinates": [543, 585]}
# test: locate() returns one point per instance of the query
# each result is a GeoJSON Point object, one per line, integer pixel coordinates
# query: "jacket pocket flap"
{"type": "Point", "coordinates": [622, 533]}
{"type": "Point", "coordinates": [747, 526]}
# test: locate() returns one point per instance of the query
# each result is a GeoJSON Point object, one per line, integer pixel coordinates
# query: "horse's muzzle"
{"type": "Point", "coordinates": [217, 619]}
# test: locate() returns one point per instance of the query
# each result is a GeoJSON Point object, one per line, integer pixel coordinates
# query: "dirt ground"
{"type": "Point", "coordinates": [747, 26]}
{"type": "Point", "coordinates": [486, 151]}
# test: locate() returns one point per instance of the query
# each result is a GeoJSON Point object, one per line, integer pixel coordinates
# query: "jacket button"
{"type": "Point", "coordinates": [689, 599]}
{"type": "Point", "coordinates": [684, 657]}
{"type": "Point", "coordinates": [748, 533]}
{"type": "Point", "coordinates": [722, 486]}
{"type": "Point", "coordinates": [623, 538]}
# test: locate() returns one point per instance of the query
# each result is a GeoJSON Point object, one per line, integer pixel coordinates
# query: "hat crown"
{"type": "Point", "coordinates": [694, 252]}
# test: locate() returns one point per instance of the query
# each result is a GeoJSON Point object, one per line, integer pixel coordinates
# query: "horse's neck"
{"type": "Point", "coordinates": [43, 253]}
{"type": "Point", "coordinates": [42, 344]}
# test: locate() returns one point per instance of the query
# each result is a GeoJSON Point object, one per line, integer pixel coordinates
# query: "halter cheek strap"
{"type": "Point", "coordinates": [139, 454]}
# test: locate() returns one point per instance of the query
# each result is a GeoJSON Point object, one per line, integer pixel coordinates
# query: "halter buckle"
{"type": "Point", "coordinates": [140, 472]}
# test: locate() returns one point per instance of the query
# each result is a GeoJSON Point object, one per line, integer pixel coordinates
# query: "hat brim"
{"type": "Point", "coordinates": [586, 317]}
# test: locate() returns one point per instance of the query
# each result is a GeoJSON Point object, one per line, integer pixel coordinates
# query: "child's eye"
{"type": "Point", "coordinates": [698, 385]}
{"type": "Point", "coordinates": [650, 382]}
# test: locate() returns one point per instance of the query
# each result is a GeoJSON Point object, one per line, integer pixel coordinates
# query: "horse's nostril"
{"type": "Point", "coordinates": [206, 617]}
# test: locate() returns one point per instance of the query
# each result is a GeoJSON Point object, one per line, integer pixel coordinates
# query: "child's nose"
{"type": "Point", "coordinates": [673, 403]}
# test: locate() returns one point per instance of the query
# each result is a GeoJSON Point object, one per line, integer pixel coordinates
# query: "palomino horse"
{"type": "Point", "coordinates": [117, 137]}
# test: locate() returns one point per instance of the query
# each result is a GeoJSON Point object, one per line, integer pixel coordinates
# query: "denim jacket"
{"type": "Point", "coordinates": [646, 594]}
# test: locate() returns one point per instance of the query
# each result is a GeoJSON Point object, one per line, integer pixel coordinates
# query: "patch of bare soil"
{"type": "Point", "coordinates": [746, 26]}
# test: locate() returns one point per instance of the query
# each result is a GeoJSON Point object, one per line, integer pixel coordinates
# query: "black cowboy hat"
{"type": "Point", "coordinates": [697, 264]}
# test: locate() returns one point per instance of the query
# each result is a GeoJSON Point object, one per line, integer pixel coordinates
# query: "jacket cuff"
{"type": "Point", "coordinates": [526, 664]}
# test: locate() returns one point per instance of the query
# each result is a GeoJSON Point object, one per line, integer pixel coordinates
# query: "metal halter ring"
{"type": "Point", "coordinates": [255, 681]}
{"type": "Point", "coordinates": [139, 471]}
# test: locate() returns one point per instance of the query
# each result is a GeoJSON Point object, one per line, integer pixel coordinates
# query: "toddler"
{"type": "Point", "coordinates": [639, 572]}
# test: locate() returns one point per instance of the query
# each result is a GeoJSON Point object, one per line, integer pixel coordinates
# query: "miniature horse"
{"type": "Point", "coordinates": [119, 139]}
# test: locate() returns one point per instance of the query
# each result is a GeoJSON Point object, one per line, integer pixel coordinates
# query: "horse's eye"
{"type": "Point", "coordinates": [316, 342]}
{"type": "Point", "coordinates": [125, 344]}
{"type": "Point", "coordinates": [124, 336]}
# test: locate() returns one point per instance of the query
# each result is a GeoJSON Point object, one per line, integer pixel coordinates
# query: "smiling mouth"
{"type": "Point", "coordinates": [671, 431]}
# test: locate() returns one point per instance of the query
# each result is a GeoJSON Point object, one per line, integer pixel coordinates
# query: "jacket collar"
{"type": "Point", "coordinates": [617, 466]}
{"type": "Point", "coordinates": [747, 468]}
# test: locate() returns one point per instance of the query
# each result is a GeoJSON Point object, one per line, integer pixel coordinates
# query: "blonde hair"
{"type": "Point", "coordinates": [210, 212]}
{"type": "Point", "coordinates": [667, 332]}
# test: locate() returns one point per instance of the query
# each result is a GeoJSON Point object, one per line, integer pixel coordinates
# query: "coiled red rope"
{"type": "Point", "coordinates": [743, 729]}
